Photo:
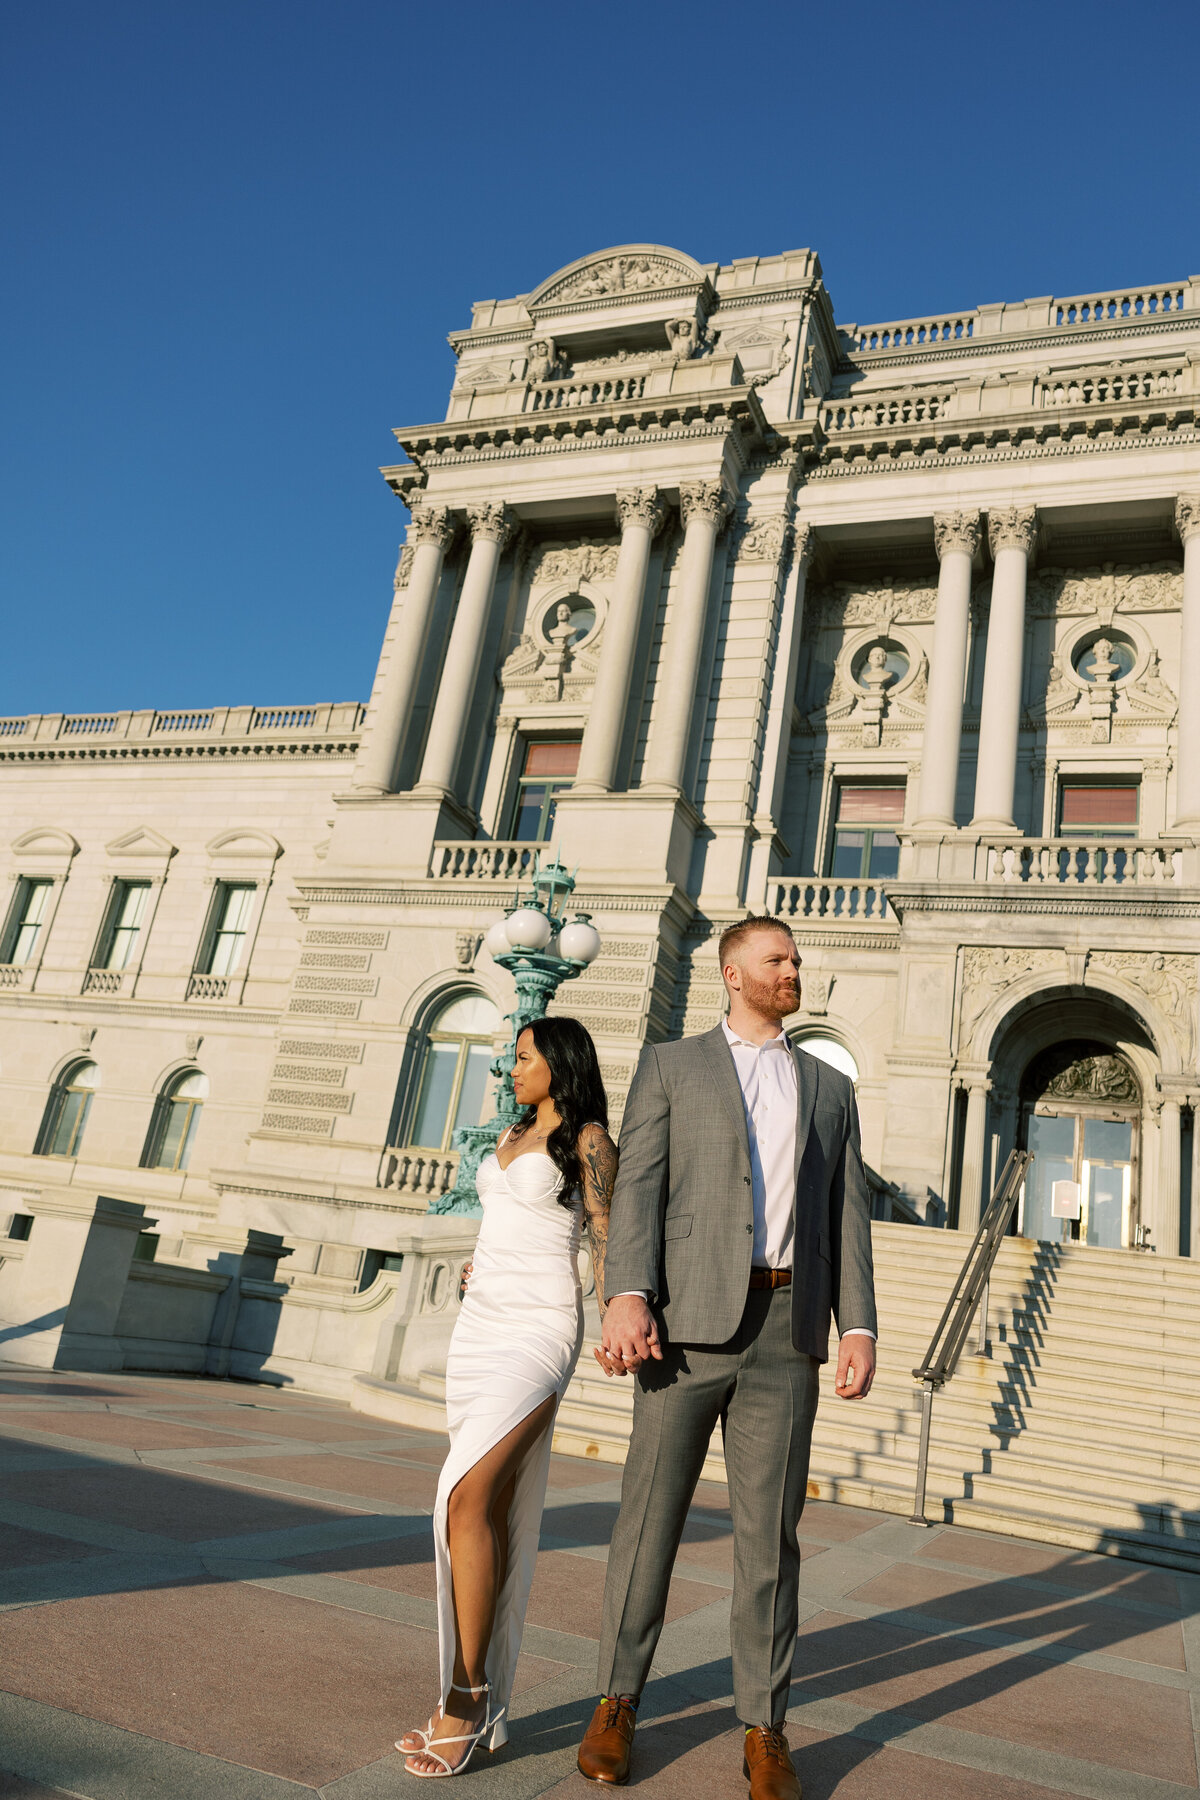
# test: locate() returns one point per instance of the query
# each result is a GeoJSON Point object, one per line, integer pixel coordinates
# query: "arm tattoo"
{"type": "Point", "coordinates": [598, 1162]}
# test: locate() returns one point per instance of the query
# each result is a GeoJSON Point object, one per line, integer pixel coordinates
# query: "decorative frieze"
{"type": "Point", "coordinates": [297, 1125]}
{"type": "Point", "coordinates": [339, 938]}
{"type": "Point", "coordinates": [322, 1049]}
{"type": "Point", "coordinates": [329, 959]}
{"type": "Point", "coordinates": [335, 984]}
{"type": "Point", "coordinates": [1170, 981]}
{"type": "Point", "coordinates": [290, 1096]}
{"type": "Point", "coordinates": [321, 1074]}
{"type": "Point", "coordinates": [304, 1006]}
{"type": "Point", "coordinates": [765, 539]}
{"type": "Point", "coordinates": [985, 972]}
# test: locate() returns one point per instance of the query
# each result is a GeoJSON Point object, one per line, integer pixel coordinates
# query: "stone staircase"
{"type": "Point", "coordinates": [1079, 1426]}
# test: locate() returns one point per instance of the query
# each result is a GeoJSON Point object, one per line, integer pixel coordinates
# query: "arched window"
{"type": "Point", "coordinates": [67, 1110]}
{"type": "Point", "coordinates": [828, 1050]}
{"type": "Point", "coordinates": [454, 1082]}
{"type": "Point", "coordinates": [176, 1116]}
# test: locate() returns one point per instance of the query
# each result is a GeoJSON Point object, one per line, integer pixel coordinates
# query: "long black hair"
{"type": "Point", "coordinates": [576, 1089]}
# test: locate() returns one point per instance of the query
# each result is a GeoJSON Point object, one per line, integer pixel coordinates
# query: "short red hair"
{"type": "Point", "coordinates": [734, 936]}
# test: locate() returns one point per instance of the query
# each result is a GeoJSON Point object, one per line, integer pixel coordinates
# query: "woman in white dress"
{"type": "Point", "coordinates": [512, 1355]}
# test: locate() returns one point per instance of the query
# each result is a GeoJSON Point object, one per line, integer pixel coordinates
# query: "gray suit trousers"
{"type": "Point", "coordinates": [764, 1391]}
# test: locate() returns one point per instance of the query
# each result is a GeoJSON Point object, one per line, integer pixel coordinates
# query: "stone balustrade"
{"type": "Point", "coordinates": [423, 1174]}
{"type": "Point", "coordinates": [104, 981]}
{"type": "Point", "coordinates": [841, 902]}
{"type": "Point", "coordinates": [1084, 309]}
{"type": "Point", "coordinates": [12, 974]}
{"type": "Point", "coordinates": [459, 861]}
{"type": "Point", "coordinates": [916, 406]}
{"type": "Point", "coordinates": [1086, 862]}
{"type": "Point", "coordinates": [38, 730]}
{"type": "Point", "coordinates": [208, 987]}
{"type": "Point", "coordinates": [1100, 387]}
{"type": "Point", "coordinates": [903, 333]}
{"type": "Point", "coordinates": [554, 395]}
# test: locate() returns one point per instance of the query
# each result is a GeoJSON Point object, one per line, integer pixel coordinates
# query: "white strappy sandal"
{"type": "Point", "coordinates": [470, 1738]}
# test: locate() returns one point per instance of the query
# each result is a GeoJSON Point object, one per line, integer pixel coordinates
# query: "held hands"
{"type": "Point", "coordinates": [630, 1336]}
{"type": "Point", "coordinates": [855, 1366]}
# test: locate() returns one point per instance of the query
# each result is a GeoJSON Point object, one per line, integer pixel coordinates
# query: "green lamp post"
{"type": "Point", "coordinates": [542, 948]}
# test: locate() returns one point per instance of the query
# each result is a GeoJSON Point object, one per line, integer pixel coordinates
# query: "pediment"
{"type": "Point", "coordinates": [143, 840]}
{"type": "Point", "coordinates": [45, 843]}
{"type": "Point", "coordinates": [247, 843]}
{"type": "Point", "coordinates": [627, 272]}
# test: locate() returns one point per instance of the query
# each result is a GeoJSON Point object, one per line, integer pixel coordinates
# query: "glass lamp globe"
{"type": "Point", "coordinates": [496, 941]}
{"type": "Point", "coordinates": [528, 929]}
{"type": "Point", "coordinates": [579, 942]}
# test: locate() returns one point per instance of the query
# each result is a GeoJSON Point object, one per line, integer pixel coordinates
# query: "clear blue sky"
{"type": "Point", "coordinates": [234, 237]}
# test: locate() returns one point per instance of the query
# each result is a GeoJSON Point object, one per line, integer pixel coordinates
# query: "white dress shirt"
{"type": "Point", "coordinates": [767, 1077]}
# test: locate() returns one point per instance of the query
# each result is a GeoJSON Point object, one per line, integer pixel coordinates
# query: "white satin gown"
{"type": "Point", "coordinates": [515, 1344]}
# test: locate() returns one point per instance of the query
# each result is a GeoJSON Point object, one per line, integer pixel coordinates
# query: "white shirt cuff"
{"type": "Point", "coordinates": [631, 1293]}
{"type": "Point", "coordinates": [861, 1331]}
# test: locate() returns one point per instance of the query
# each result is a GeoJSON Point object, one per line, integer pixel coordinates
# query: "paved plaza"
{"type": "Point", "coordinates": [218, 1591]}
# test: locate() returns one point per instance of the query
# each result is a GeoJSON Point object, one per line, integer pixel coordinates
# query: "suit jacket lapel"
{"type": "Point", "coordinates": [719, 1059]}
{"type": "Point", "coordinates": [806, 1099]}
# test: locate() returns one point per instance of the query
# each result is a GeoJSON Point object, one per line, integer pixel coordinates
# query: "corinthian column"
{"type": "Point", "coordinates": [956, 536]}
{"type": "Point", "coordinates": [705, 507]}
{"type": "Point", "coordinates": [1169, 1169]}
{"type": "Point", "coordinates": [641, 513]}
{"type": "Point", "coordinates": [1012, 531]}
{"type": "Point", "coordinates": [430, 533]}
{"type": "Point", "coordinates": [970, 1193]}
{"type": "Point", "coordinates": [1187, 756]}
{"type": "Point", "coordinates": [491, 527]}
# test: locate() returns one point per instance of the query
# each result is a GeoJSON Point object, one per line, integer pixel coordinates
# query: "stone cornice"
{"type": "Point", "coordinates": [982, 898]}
{"type": "Point", "coordinates": [74, 1008]}
{"type": "Point", "coordinates": [848, 469]}
{"type": "Point", "coordinates": [175, 752]}
{"type": "Point", "coordinates": [619, 439]}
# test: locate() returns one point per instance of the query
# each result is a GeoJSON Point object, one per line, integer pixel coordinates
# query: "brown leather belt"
{"type": "Point", "coordinates": [770, 1278]}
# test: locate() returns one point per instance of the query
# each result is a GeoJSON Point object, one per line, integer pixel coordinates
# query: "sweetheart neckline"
{"type": "Point", "coordinates": [505, 1167]}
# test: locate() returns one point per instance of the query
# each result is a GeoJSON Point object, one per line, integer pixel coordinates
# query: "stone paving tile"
{"type": "Point", "coordinates": [27, 1549]}
{"type": "Point", "coordinates": [1009, 1605]}
{"type": "Point", "coordinates": [1066, 1709]}
{"type": "Point", "coordinates": [175, 1506]}
{"type": "Point", "coordinates": [286, 1423]}
{"type": "Point", "coordinates": [1068, 1568]}
{"type": "Point", "coordinates": [128, 1430]}
{"type": "Point", "coordinates": [13, 1787]}
{"type": "Point", "coordinates": [854, 1770]}
{"type": "Point", "coordinates": [576, 1471]}
{"type": "Point", "coordinates": [347, 1475]}
{"type": "Point", "coordinates": [329, 1690]}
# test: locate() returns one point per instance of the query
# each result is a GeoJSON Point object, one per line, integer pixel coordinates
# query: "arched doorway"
{"type": "Point", "coordinates": [1080, 1116]}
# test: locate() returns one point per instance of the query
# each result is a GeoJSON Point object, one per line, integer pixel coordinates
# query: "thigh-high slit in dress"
{"type": "Point", "coordinates": [515, 1344]}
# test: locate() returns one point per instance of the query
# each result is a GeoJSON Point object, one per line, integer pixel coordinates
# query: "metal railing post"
{"type": "Point", "coordinates": [918, 1511]}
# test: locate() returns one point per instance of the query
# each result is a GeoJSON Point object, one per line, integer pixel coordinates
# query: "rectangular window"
{"type": "Point", "coordinates": [126, 918]}
{"type": "Point", "coordinates": [1095, 811]}
{"type": "Point", "coordinates": [231, 923]}
{"type": "Point", "coordinates": [549, 767]}
{"type": "Point", "coordinates": [865, 841]}
{"type": "Point", "coordinates": [28, 920]}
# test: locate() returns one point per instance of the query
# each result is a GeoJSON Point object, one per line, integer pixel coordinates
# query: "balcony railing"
{"type": "Point", "coordinates": [38, 730]}
{"type": "Point", "coordinates": [1083, 862]}
{"type": "Point", "coordinates": [459, 861]}
{"type": "Point", "coordinates": [104, 981]}
{"type": "Point", "coordinates": [423, 1174]}
{"type": "Point", "coordinates": [12, 974]}
{"type": "Point", "coordinates": [208, 987]}
{"type": "Point", "coordinates": [861, 903]}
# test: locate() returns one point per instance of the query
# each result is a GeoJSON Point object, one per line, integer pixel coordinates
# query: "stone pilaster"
{"type": "Point", "coordinates": [705, 507]}
{"type": "Point", "coordinates": [641, 513]}
{"type": "Point", "coordinates": [956, 536]}
{"type": "Point", "coordinates": [1012, 533]}
{"type": "Point", "coordinates": [1187, 760]}
{"type": "Point", "coordinates": [491, 527]}
{"type": "Point", "coordinates": [430, 535]}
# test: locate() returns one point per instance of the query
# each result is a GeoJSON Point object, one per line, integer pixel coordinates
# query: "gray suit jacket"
{"type": "Point", "coordinates": [682, 1218]}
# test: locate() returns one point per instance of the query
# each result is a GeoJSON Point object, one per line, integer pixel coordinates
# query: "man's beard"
{"type": "Point", "coordinates": [773, 999]}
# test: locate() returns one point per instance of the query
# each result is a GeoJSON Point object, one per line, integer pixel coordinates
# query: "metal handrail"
{"type": "Point", "coordinates": [969, 1291]}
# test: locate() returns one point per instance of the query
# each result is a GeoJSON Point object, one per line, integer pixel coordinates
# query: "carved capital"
{"type": "Point", "coordinates": [706, 500]}
{"type": "Point", "coordinates": [641, 506]}
{"type": "Point", "coordinates": [491, 522]}
{"type": "Point", "coordinates": [431, 525]}
{"type": "Point", "coordinates": [1012, 528]}
{"type": "Point", "coordinates": [1187, 515]}
{"type": "Point", "coordinates": [956, 531]}
{"type": "Point", "coordinates": [804, 544]}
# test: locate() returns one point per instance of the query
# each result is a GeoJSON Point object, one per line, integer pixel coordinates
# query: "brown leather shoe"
{"type": "Point", "coordinates": [608, 1742]}
{"type": "Point", "coordinates": [768, 1765]}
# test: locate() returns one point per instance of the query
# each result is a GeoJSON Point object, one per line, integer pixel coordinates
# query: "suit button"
{"type": "Point", "coordinates": [747, 1180]}
{"type": "Point", "coordinates": [750, 1229]}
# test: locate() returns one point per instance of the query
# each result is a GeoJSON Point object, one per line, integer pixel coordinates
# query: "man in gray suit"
{"type": "Point", "coordinates": [740, 1222]}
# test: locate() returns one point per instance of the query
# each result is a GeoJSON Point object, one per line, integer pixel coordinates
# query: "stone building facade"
{"type": "Point", "coordinates": [891, 630]}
